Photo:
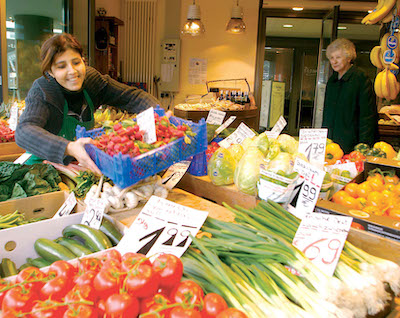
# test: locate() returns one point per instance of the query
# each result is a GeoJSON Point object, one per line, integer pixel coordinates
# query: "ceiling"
{"type": "Point", "coordinates": [321, 5]}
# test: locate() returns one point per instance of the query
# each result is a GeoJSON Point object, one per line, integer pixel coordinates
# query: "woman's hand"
{"type": "Point", "coordinates": [77, 150]}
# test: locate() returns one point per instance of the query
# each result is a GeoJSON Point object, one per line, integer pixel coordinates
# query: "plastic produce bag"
{"type": "Point", "coordinates": [288, 143]}
{"type": "Point", "coordinates": [262, 142]}
{"type": "Point", "coordinates": [221, 167]}
{"type": "Point", "coordinates": [247, 171]}
{"type": "Point", "coordinates": [237, 151]}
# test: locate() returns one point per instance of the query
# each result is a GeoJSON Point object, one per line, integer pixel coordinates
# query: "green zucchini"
{"type": "Point", "coordinates": [23, 266]}
{"type": "Point", "coordinates": [8, 267]}
{"type": "Point", "coordinates": [94, 239]}
{"type": "Point", "coordinates": [74, 246]}
{"type": "Point", "coordinates": [112, 232]}
{"type": "Point", "coordinates": [38, 262]}
{"type": "Point", "coordinates": [52, 251]}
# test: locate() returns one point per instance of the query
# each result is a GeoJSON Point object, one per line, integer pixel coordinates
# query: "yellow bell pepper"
{"type": "Point", "coordinates": [333, 153]}
{"type": "Point", "coordinates": [386, 148]}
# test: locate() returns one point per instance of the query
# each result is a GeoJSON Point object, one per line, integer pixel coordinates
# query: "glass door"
{"type": "Point", "coordinates": [328, 34]}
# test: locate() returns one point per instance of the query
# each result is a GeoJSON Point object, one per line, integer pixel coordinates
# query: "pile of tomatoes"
{"type": "Point", "coordinates": [378, 195]}
{"type": "Point", "coordinates": [6, 134]}
{"type": "Point", "coordinates": [110, 286]}
{"type": "Point", "coordinates": [211, 148]}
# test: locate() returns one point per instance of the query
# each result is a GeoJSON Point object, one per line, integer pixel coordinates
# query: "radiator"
{"type": "Point", "coordinates": [139, 18]}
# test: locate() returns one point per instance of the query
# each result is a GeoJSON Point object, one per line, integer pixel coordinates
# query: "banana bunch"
{"type": "Point", "coordinates": [386, 85]}
{"type": "Point", "coordinates": [383, 12]}
{"type": "Point", "coordinates": [376, 57]}
{"type": "Point", "coordinates": [110, 114]}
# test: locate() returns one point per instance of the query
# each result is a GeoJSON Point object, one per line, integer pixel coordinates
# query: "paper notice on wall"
{"type": "Point", "coordinates": [197, 71]}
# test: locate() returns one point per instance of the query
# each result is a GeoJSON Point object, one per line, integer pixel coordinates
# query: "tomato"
{"type": "Point", "coordinates": [376, 199]}
{"type": "Point", "coordinates": [394, 213]}
{"type": "Point", "coordinates": [101, 307]}
{"type": "Point", "coordinates": [232, 313]}
{"type": "Point", "coordinates": [396, 189]}
{"type": "Point", "coordinates": [29, 274]}
{"type": "Point", "coordinates": [121, 306]}
{"type": "Point", "coordinates": [55, 288]}
{"type": "Point", "coordinates": [111, 263]}
{"type": "Point", "coordinates": [364, 189]}
{"type": "Point", "coordinates": [170, 269]}
{"type": "Point", "coordinates": [157, 299]}
{"type": "Point", "coordinates": [357, 226]}
{"type": "Point", "coordinates": [81, 311]}
{"type": "Point", "coordinates": [108, 282]}
{"type": "Point", "coordinates": [180, 312]}
{"type": "Point", "coordinates": [350, 202]}
{"type": "Point", "coordinates": [19, 299]}
{"type": "Point", "coordinates": [79, 292]}
{"type": "Point", "coordinates": [213, 305]}
{"type": "Point", "coordinates": [391, 179]}
{"type": "Point", "coordinates": [377, 183]}
{"type": "Point", "coordinates": [129, 260]}
{"type": "Point", "coordinates": [63, 268]}
{"type": "Point", "coordinates": [3, 284]}
{"type": "Point", "coordinates": [187, 291]}
{"type": "Point", "coordinates": [375, 176]}
{"type": "Point", "coordinates": [339, 196]}
{"type": "Point", "coordinates": [89, 264]}
{"type": "Point", "coordinates": [373, 210]}
{"type": "Point", "coordinates": [47, 309]}
{"type": "Point", "coordinates": [85, 278]}
{"type": "Point", "coordinates": [142, 282]}
{"type": "Point", "coordinates": [111, 254]}
{"type": "Point", "coordinates": [352, 189]}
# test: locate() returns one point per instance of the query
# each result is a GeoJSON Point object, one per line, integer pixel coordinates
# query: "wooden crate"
{"type": "Point", "coordinates": [248, 116]}
{"type": "Point", "coordinates": [9, 151]}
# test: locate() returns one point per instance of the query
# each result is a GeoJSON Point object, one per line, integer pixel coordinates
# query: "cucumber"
{"type": "Point", "coordinates": [23, 266]}
{"type": "Point", "coordinates": [38, 262]}
{"type": "Point", "coordinates": [94, 239]}
{"type": "Point", "coordinates": [112, 232]}
{"type": "Point", "coordinates": [74, 246]}
{"type": "Point", "coordinates": [8, 267]}
{"type": "Point", "coordinates": [52, 251]}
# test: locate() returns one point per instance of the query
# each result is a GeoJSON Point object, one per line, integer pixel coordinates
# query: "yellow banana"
{"type": "Point", "coordinates": [378, 84]}
{"type": "Point", "coordinates": [375, 57]}
{"type": "Point", "coordinates": [379, 14]}
{"type": "Point", "coordinates": [392, 82]}
{"type": "Point", "coordinates": [386, 85]}
{"type": "Point", "coordinates": [378, 7]}
{"type": "Point", "coordinates": [393, 67]}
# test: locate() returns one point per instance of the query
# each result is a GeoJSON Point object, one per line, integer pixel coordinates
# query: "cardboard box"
{"type": "Point", "coordinates": [381, 225]}
{"type": "Point", "coordinates": [17, 243]}
{"type": "Point", "coordinates": [9, 151]}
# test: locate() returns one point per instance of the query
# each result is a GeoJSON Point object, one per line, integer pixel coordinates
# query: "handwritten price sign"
{"type": "Point", "coordinates": [94, 212]}
{"type": "Point", "coordinates": [312, 143]}
{"type": "Point", "coordinates": [215, 117]}
{"type": "Point", "coordinates": [321, 238]}
{"type": "Point", "coordinates": [162, 227]}
{"type": "Point", "coordinates": [241, 133]}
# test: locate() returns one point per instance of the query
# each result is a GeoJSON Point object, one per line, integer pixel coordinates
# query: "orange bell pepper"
{"type": "Point", "coordinates": [333, 153]}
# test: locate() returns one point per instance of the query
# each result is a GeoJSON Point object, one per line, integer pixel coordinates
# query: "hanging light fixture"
{"type": "Point", "coordinates": [193, 25]}
{"type": "Point", "coordinates": [236, 24]}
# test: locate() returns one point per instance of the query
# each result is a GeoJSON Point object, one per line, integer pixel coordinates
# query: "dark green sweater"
{"type": "Point", "coordinates": [350, 111]}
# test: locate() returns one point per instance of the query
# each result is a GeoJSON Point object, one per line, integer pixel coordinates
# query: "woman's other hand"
{"type": "Point", "coordinates": [77, 150]}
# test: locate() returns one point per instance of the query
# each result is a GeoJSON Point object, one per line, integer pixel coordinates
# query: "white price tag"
{"type": "Point", "coordinates": [14, 115]}
{"type": "Point", "coordinates": [229, 121]}
{"type": "Point", "coordinates": [94, 212]}
{"type": "Point", "coordinates": [146, 123]}
{"type": "Point", "coordinates": [66, 207]}
{"type": "Point", "coordinates": [272, 134]}
{"type": "Point", "coordinates": [280, 124]}
{"type": "Point", "coordinates": [237, 137]}
{"type": "Point", "coordinates": [215, 117]}
{"type": "Point", "coordinates": [313, 178]}
{"type": "Point", "coordinates": [321, 238]}
{"type": "Point", "coordinates": [312, 143]}
{"type": "Point", "coordinates": [162, 227]}
{"type": "Point", "coordinates": [23, 158]}
{"type": "Point", "coordinates": [175, 173]}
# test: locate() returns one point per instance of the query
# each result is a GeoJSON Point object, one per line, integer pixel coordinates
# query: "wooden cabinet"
{"type": "Point", "coordinates": [106, 45]}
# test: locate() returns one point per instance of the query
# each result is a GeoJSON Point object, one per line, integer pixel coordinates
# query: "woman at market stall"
{"type": "Point", "coordinates": [350, 112]}
{"type": "Point", "coordinates": [65, 96]}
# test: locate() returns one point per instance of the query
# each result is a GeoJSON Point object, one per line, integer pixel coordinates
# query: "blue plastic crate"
{"type": "Point", "coordinates": [125, 171]}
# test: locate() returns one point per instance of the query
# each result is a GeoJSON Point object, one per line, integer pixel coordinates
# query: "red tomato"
{"type": "Point", "coordinates": [89, 264]}
{"type": "Point", "coordinates": [79, 292]}
{"type": "Point", "coordinates": [180, 312]}
{"type": "Point", "coordinates": [55, 288]}
{"type": "Point", "coordinates": [155, 303]}
{"type": "Point", "coordinates": [232, 313]}
{"type": "Point", "coordinates": [29, 274]}
{"type": "Point", "coordinates": [81, 311]}
{"type": "Point", "coordinates": [111, 254]}
{"type": "Point", "coordinates": [170, 269]}
{"type": "Point", "coordinates": [111, 263]}
{"type": "Point", "coordinates": [129, 260]}
{"type": "Point", "coordinates": [121, 306]}
{"type": "Point", "coordinates": [85, 278]}
{"type": "Point", "coordinates": [3, 283]}
{"type": "Point", "coordinates": [187, 291]}
{"type": "Point", "coordinates": [19, 299]}
{"type": "Point", "coordinates": [142, 282]}
{"type": "Point", "coordinates": [63, 268]}
{"type": "Point", "coordinates": [47, 309]}
{"type": "Point", "coordinates": [101, 307]}
{"type": "Point", "coordinates": [107, 282]}
{"type": "Point", "coordinates": [213, 305]}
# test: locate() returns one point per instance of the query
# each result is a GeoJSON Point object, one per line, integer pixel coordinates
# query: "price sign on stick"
{"type": "Point", "coordinates": [321, 238]}
{"type": "Point", "coordinates": [162, 227]}
{"type": "Point", "coordinates": [229, 121]}
{"type": "Point", "coordinates": [146, 123]}
{"type": "Point", "coordinates": [280, 124]}
{"type": "Point", "coordinates": [312, 143]}
{"type": "Point", "coordinates": [215, 117]}
{"type": "Point", "coordinates": [175, 173]}
{"type": "Point", "coordinates": [67, 206]}
{"type": "Point", "coordinates": [14, 115]}
{"type": "Point", "coordinates": [237, 137]}
{"type": "Point", "coordinates": [94, 212]}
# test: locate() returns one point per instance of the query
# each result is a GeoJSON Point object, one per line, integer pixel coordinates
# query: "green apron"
{"type": "Point", "coordinates": [68, 128]}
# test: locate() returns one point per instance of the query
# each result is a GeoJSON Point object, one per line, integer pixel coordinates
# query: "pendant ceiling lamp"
{"type": "Point", "coordinates": [193, 25]}
{"type": "Point", "coordinates": [236, 24]}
